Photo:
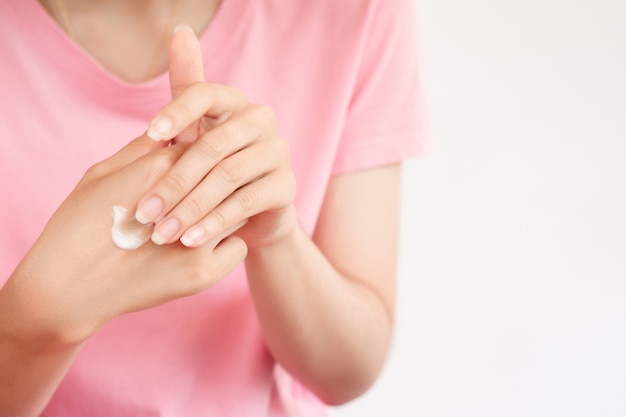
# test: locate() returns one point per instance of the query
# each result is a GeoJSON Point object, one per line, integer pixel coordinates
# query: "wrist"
{"type": "Point", "coordinates": [28, 326]}
{"type": "Point", "coordinates": [283, 236]}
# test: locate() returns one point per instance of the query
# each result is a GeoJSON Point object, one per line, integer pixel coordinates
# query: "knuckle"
{"type": "Point", "coordinates": [194, 207]}
{"type": "Point", "coordinates": [220, 219]}
{"type": "Point", "coordinates": [246, 201]}
{"type": "Point", "coordinates": [199, 85]}
{"type": "Point", "coordinates": [285, 181]}
{"type": "Point", "coordinates": [229, 131]}
{"type": "Point", "coordinates": [288, 188]}
{"type": "Point", "coordinates": [96, 171]}
{"type": "Point", "coordinates": [175, 182]}
{"type": "Point", "coordinates": [278, 154]}
{"type": "Point", "coordinates": [280, 147]}
{"type": "Point", "coordinates": [211, 147]}
{"type": "Point", "coordinates": [237, 93]}
{"type": "Point", "coordinates": [158, 164]}
{"type": "Point", "coordinates": [161, 159]}
{"type": "Point", "coordinates": [204, 87]}
{"type": "Point", "coordinates": [180, 110]}
{"type": "Point", "coordinates": [210, 90]}
{"type": "Point", "coordinates": [265, 113]}
{"type": "Point", "coordinates": [230, 172]}
{"type": "Point", "coordinates": [291, 184]}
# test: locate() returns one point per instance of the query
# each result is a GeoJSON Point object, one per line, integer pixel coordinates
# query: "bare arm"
{"type": "Point", "coordinates": [74, 279]}
{"type": "Point", "coordinates": [327, 310]}
{"type": "Point", "coordinates": [29, 372]}
{"type": "Point", "coordinates": [325, 303]}
{"type": "Point", "coordinates": [50, 304]}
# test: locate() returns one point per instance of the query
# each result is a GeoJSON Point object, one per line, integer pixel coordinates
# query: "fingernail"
{"type": "Point", "coordinates": [149, 210]}
{"type": "Point", "coordinates": [183, 27]}
{"type": "Point", "coordinates": [165, 231]}
{"type": "Point", "coordinates": [193, 236]}
{"type": "Point", "coordinates": [160, 128]}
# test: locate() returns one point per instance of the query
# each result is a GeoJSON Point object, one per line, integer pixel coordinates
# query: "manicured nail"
{"type": "Point", "coordinates": [160, 128]}
{"type": "Point", "coordinates": [165, 231]}
{"type": "Point", "coordinates": [183, 26]}
{"type": "Point", "coordinates": [149, 210]}
{"type": "Point", "coordinates": [193, 236]}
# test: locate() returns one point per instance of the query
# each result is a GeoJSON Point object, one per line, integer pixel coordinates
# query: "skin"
{"type": "Point", "coordinates": [130, 38]}
{"type": "Point", "coordinates": [224, 143]}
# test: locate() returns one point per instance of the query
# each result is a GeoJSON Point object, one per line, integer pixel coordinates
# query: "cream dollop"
{"type": "Point", "coordinates": [127, 232]}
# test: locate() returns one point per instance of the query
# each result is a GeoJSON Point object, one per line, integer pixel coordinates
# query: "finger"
{"type": "Point", "coordinates": [268, 193]}
{"type": "Point", "coordinates": [134, 150]}
{"type": "Point", "coordinates": [199, 268]}
{"type": "Point", "coordinates": [216, 240]}
{"type": "Point", "coordinates": [226, 256]}
{"type": "Point", "coordinates": [241, 169]}
{"type": "Point", "coordinates": [203, 155]}
{"type": "Point", "coordinates": [194, 102]}
{"type": "Point", "coordinates": [185, 68]}
{"type": "Point", "coordinates": [150, 168]}
{"type": "Point", "coordinates": [185, 60]}
{"type": "Point", "coordinates": [230, 252]}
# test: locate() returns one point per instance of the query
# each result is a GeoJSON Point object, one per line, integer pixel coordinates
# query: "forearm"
{"type": "Point", "coordinates": [329, 330]}
{"type": "Point", "coordinates": [30, 369]}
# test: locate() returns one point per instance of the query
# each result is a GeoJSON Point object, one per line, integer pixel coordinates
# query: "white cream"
{"type": "Point", "coordinates": [127, 232]}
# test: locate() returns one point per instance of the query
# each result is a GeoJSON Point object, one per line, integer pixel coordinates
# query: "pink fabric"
{"type": "Point", "coordinates": [341, 76]}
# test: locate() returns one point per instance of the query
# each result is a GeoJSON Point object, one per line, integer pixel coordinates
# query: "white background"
{"type": "Point", "coordinates": [512, 292]}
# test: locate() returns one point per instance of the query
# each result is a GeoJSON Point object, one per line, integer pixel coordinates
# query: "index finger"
{"type": "Point", "coordinates": [194, 102]}
{"type": "Point", "coordinates": [185, 60]}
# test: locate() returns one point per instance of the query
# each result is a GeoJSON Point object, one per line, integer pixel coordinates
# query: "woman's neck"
{"type": "Point", "coordinates": [129, 38]}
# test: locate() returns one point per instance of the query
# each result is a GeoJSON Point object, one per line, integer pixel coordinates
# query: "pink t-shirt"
{"type": "Point", "coordinates": [341, 76]}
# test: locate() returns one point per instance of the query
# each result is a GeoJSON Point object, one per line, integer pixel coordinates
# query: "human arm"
{"type": "Point", "coordinates": [29, 375]}
{"type": "Point", "coordinates": [326, 304]}
{"type": "Point", "coordinates": [74, 279]}
{"type": "Point", "coordinates": [240, 170]}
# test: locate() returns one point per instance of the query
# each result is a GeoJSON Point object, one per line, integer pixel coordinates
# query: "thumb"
{"type": "Point", "coordinates": [185, 60]}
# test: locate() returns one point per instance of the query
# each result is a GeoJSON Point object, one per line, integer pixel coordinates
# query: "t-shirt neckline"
{"type": "Point", "coordinates": [52, 41]}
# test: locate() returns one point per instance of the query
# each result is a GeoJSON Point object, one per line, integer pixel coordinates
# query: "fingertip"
{"type": "Point", "coordinates": [160, 129]}
{"type": "Point", "coordinates": [141, 218]}
{"type": "Point", "coordinates": [235, 246]}
{"type": "Point", "coordinates": [186, 241]}
{"type": "Point", "coordinates": [149, 210]}
{"type": "Point", "coordinates": [185, 57]}
{"type": "Point", "coordinates": [158, 239]}
{"type": "Point", "coordinates": [183, 27]}
{"type": "Point", "coordinates": [193, 237]}
{"type": "Point", "coordinates": [154, 135]}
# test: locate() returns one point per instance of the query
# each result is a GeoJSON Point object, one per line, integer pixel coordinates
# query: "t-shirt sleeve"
{"type": "Point", "coordinates": [385, 120]}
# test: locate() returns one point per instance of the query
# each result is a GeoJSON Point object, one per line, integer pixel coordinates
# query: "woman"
{"type": "Point", "coordinates": [251, 299]}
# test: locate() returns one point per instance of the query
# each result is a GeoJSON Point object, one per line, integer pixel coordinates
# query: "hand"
{"type": "Point", "coordinates": [236, 170]}
{"type": "Point", "coordinates": [74, 279]}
